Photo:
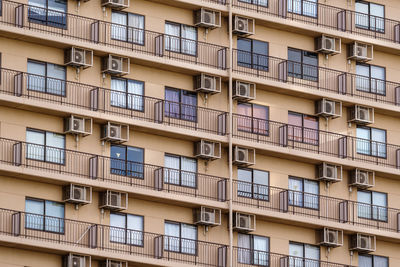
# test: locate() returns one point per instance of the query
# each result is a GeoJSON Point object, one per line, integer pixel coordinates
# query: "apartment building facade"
{"type": "Point", "coordinates": [199, 133]}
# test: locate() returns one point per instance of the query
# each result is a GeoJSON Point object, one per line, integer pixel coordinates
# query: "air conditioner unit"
{"type": "Point", "coordinates": [244, 91]}
{"type": "Point", "coordinates": [113, 200]}
{"type": "Point", "coordinates": [243, 156]}
{"type": "Point", "coordinates": [329, 172]}
{"type": "Point", "coordinates": [113, 263]}
{"type": "Point", "coordinates": [330, 237]}
{"type": "Point", "coordinates": [115, 132]}
{"type": "Point", "coordinates": [74, 260]}
{"type": "Point", "coordinates": [327, 108]}
{"type": "Point", "coordinates": [207, 18]}
{"type": "Point", "coordinates": [243, 26]}
{"type": "Point", "coordinates": [77, 194]}
{"type": "Point", "coordinates": [78, 125]}
{"type": "Point", "coordinates": [208, 150]}
{"type": "Point", "coordinates": [78, 57]}
{"type": "Point", "coordinates": [360, 52]}
{"type": "Point", "coordinates": [363, 243]}
{"type": "Point", "coordinates": [328, 45]}
{"type": "Point", "coordinates": [361, 115]}
{"type": "Point", "coordinates": [115, 4]}
{"type": "Point", "coordinates": [115, 65]}
{"type": "Point", "coordinates": [207, 216]}
{"type": "Point", "coordinates": [244, 222]}
{"type": "Point", "coordinates": [362, 178]}
{"type": "Point", "coordinates": [207, 84]}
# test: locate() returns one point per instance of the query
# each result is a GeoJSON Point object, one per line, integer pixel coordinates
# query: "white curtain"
{"type": "Point", "coordinates": [364, 204]}
{"type": "Point", "coordinates": [118, 28]}
{"type": "Point", "coordinates": [118, 93]}
{"type": "Point", "coordinates": [312, 255]}
{"type": "Point", "coordinates": [117, 228]}
{"type": "Point", "coordinates": [261, 249]}
{"type": "Point", "coordinates": [135, 230]}
{"type": "Point", "coordinates": [363, 143]}
{"type": "Point", "coordinates": [172, 40]}
{"type": "Point", "coordinates": [35, 212]}
{"type": "Point", "coordinates": [55, 145]}
{"type": "Point", "coordinates": [378, 77]}
{"type": "Point", "coordinates": [171, 173]}
{"type": "Point", "coordinates": [244, 252]}
{"type": "Point", "coordinates": [55, 79]}
{"type": "Point", "coordinates": [189, 169]}
{"type": "Point", "coordinates": [294, 6]}
{"type": "Point", "coordinates": [296, 192]}
{"type": "Point", "coordinates": [189, 238]}
{"type": "Point", "coordinates": [171, 241]}
{"type": "Point", "coordinates": [189, 40]}
{"type": "Point", "coordinates": [135, 95]}
{"type": "Point", "coordinates": [362, 78]}
{"type": "Point", "coordinates": [296, 253]}
{"type": "Point", "coordinates": [35, 146]}
{"type": "Point", "coordinates": [379, 144]}
{"type": "Point", "coordinates": [311, 200]}
{"type": "Point", "coordinates": [380, 261]}
{"type": "Point", "coordinates": [379, 210]}
{"type": "Point", "coordinates": [260, 186]}
{"type": "Point", "coordinates": [136, 30]}
{"type": "Point", "coordinates": [36, 77]}
{"type": "Point", "coordinates": [54, 220]}
{"type": "Point", "coordinates": [244, 183]}
{"type": "Point", "coordinates": [377, 18]}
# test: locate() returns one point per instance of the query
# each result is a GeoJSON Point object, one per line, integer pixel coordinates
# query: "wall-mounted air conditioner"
{"type": "Point", "coordinates": [243, 25]}
{"type": "Point", "coordinates": [243, 156]}
{"type": "Point", "coordinates": [115, 65]}
{"type": "Point", "coordinates": [113, 200]}
{"type": "Point", "coordinates": [362, 178]}
{"type": "Point", "coordinates": [77, 194]}
{"type": "Point", "coordinates": [113, 263]}
{"type": "Point", "coordinates": [361, 115]}
{"type": "Point", "coordinates": [244, 222]}
{"type": "Point", "coordinates": [328, 108]}
{"type": "Point", "coordinates": [329, 172]}
{"type": "Point", "coordinates": [208, 150]}
{"type": "Point", "coordinates": [76, 260]}
{"type": "Point", "coordinates": [363, 243]}
{"type": "Point", "coordinates": [114, 132]}
{"type": "Point", "coordinates": [115, 4]}
{"type": "Point", "coordinates": [207, 18]}
{"type": "Point", "coordinates": [207, 84]}
{"type": "Point", "coordinates": [78, 125]}
{"type": "Point", "coordinates": [78, 57]}
{"type": "Point", "coordinates": [330, 237]}
{"type": "Point", "coordinates": [360, 52]}
{"type": "Point", "coordinates": [207, 216]}
{"type": "Point", "coordinates": [328, 45]}
{"type": "Point", "coordinates": [244, 91]}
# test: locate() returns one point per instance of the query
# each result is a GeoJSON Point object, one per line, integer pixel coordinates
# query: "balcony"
{"type": "Point", "coordinates": [329, 17]}
{"type": "Point", "coordinates": [345, 212]}
{"type": "Point", "coordinates": [104, 171]}
{"type": "Point", "coordinates": [96, 32]}
{"type": "Point", "coordinates": [317, 142]}
{"type": "Point", "coordinates": [100, 100]}
{"type": "Point", "coordinates": [318, 78]}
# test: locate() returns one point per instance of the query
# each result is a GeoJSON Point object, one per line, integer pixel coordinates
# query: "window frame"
{"type": "Point", "coordinates": [253, 65]}
{"type": "Point", "coordinates": [182, 39]}
{"type": "Point", "coordinates": [126, 94]}
{"type": "Point", "coordinates": [302, 129]}
{"type": "Point", "coordinates": [180, 238]}
{"type": "Point", "coordinates": [373, 258]}
{"type": "Point", "coordinates": [46, 22]}
{"type": "Point", "coordinates": [302, 65]}
{"type": "Point", "coordinates": [181, 115]}
{"type": "Point", "coordinates": [304, 252]}
{"type": "Point", "coordinates": [255, 196]}
{"type": "Point", "coordinates": [126, 161]}
{"type": "Point", "coordinates": [44, 132]}
{"type": "Point", "coordinates": [44, 216]}
{"type": "Point", "coordinates": [370, 142]}
{"type": "Point", "coordinates": [130, 27]}
{"type": "Point", "coordinates": [371, 206]}
{"type": "Point", "coordinates": [251, 250]}
{"type": "Point", "coordinates": [253, 130]}
{"type": "Point", "coordinates": [45, 77]}
{"type": "Point", "coordinates": [302, 193]}
{"type": "Point", "coordinates": [369, 27]}
{"type": "Point", "coordinates": [370, 79]}
{"type": "Point", "coordinates": [126, 229]}
{"type": "Point", "coordinates": [301, 9]}
{"type": "Point", "coordinates": [255, 2]}
{"type": "Point", "coordinates": [180, 170]}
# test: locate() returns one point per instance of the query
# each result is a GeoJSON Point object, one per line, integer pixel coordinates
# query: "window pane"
{"type": "Point", "coordinates": [135, 96]}
{"type": "Point", "coordinates": [260, 121]}
{"type": "Point", "coordinates": [171, 241]}
{"type": "Point", "coordinates": [311, 200]}
{"type": "Point", "coordinates": [118, 92]}
{"type": "Point", "coordinates": [172, 171]}
{"type": "Point", "coordinates": [117, 228]}
{"type": "Point", "coordinates": [118, 28]}
{"type": "Point", "coordinates": [364, 261]}
{"type": "Point", "coordinates": [363, 140]}
{"type": "Point", "coordinates": [364, 205]}
{"type": "Point", "coordinates": [136, 30]}
{"type": "Point", "coordinates": [244, 244]}
{"type": "Point", "coordinates": [295, 130]}
{"type": "Point", "coordinates": [296, 192]}
{"type": "Point", "coordinates": [189, 237]}
{"type": "Point", "coordinates": [294, 63]}
{"type": "Point", "coordinates": [189, 106]}
{"type": "Point", "coordinates": [261, 250]}
{"type": "Point", "coordinates": [135, 230]}
{"type": "Point", "coordinates": [260, 55]}
{"type": "Point", "coordinates": [172, 106]}
{"type": "Point", "coordinates": [379, 211]}
{"type": "Point", "coordinates": [55, 144]}
{"type": "Point", "coordinates": [260, 186]}
{"type": "Point", "coordinates": [54, 223]}
{"type": "Point", "coordinates": [378, 77]}
{"type": "Point", "coordinates": [311, 253]}
{"type": "Point", "coordinates": [134, 164]}
{"type": "Point", "coordinates": [36, 77]}
{"type": "Point", "coordinates": [244, 52]}
{"type": "Point", "coordinates": [189, 170]}
{"type": "Point", "coordinates": [310, 66]}
{"type": "Point", "coordinates": [362, 19]}
{"type": "Point", "coordinates": [378, 143]}
{"type": "Point", "coordinates": [118, 160]}
{"type": "Point", "coordinates": [34, 210]}
{"type": "Point", "coordinates": [244, 184]}
{"type": "Point", "coordinates": [172, 40]}
{"type": "Point", "coordinates": [244, 122]}
{"type": "Point", "coordinates": [380, 261]}
{"type": "Point", "coordinates": [55, 79]}
{"type": "Point", "coordinates": [294, 6]}
{"type": "Point", "coordinates": [363, 78]}
{"type": "Point", "coordinates": [35, 146]}
{"type": "Point", "coordinates": [296, 253]}
{"type": "Point", "coordinates": [310, 8]}
{"type": "Point", "coordinates": [377, 21]}
{"type": "Point", "coordinates": [310, 134]}
{"type": "Point", "coordinates": [189, 40]}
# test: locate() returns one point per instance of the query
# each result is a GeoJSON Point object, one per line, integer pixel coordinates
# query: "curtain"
{"type": "Point", "coordinates": [117, 228]}
{"type": "Point", "coordinates": [296, 253]}
{"type": "Point", "coordinates": [310, 8]}
{"type": "Point", "coordinates": [377, 17]}
{"type": "Point", "coordinates": [55, 79]}
{"type": "Point", "coordinates": [364, 204]}
{"type": "Point", "coordinates": [171, 171]}
{"type": "Point", "coordinates": [55, 148]}
{"type": "Point", "coordinates": [261, 250]}
{"type": "Point", "coordinates": [35, 212]}
{"type": "Point", "coordinates": [189, 170]}
{"type": "Point", "coordinates": [189, 40]}
{"type": "Point", "coordinates": [296, 192]}
{"type": "Point", "coordinates": [36, 76]}
{"type": "Point", "coordinates": [54, 223]}
{"type": "Point", "coordinates": [35, 146]}
{"type": "Point", "coordinates": [364, 261]}
{"type": "Point", "coordinates": [379, 210]}
{"type": "Point", "coordinates": [135, 230]}
{"type": "Point", "coordinates": [171, 241]}
{"type": "Point", "coordinates": [260, 184]}
{"type": "Point", "coordinates": [310, 130]}
{"type": "Point", "coordinates": [260, 119]}
{"type": "Point", "coordinates": [189, 106]}
{"type": "Point", "coordinates": [362, 15]}
{"type": "Point", "coordinates": [135, 95]}
{"type": "Point", "coordinates": [244, 183]}
{"type": "Point", "coordinates": [135, 162]}
{"type": "Point", "coordinates": [189, 239]}
{"type": "Point", "coordinates": [244, 250]}
{"type": "Point", "coordinates": [172, 40]}
{"type": "Point", "coordinates": [311, 200]}
{"type": "Point", "coordinates": [244, 122]}
{"type": "Point", "coordinates": [118, 160]}
{"type": "Point", "coordinates": [295, 127]}
{"type": "Point", "coordinates": [118, 27]}
{"type": "Point", "coordinates": [172, 106]}
{"type": "Point", "coordinates": [362, 78]}
{"type": "Point", "coordinates": [363, 143]}
{"type": "Point", "coordinates": [380, 261]}
{"type": "Point", "coordinates": [378, 77]}
{"type": "Point", "coordinates": [378, 138]}
{"type": "Point", "coordinates": [136, 29]}
{"type": "Point", "coordinates": [312, 255]}
{"type": "Point", "coordinates": [262, 2]}
{"type": "Point", "coordinates": [118, 92]}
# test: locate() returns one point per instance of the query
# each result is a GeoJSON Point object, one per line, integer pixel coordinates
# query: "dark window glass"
{"type": "Point", "coordinates": [303, 64]}
{"type": "Point", "coordinates": [253, 184]}
{"type": "Point", "coordinates": [303, 193]}
{"type": "Point", "coordinates": [254, 118]}
{"type": "Point", "coordinates": [180, 104]}
{"type": "Point", "coordinates": [371, 141]}
{"type": "Point", "coordinates": [372, 205]}
{"type": "Point", "coordinates": [303, 128]}
{"type": "Point", "coordinates": [303, 7]}
{"type": "Point", "coordinates": [48, 12]}
{"type": "Point", "coordinates": [44, 215]}
{"type": "Point", "coordinates": [127, 161]}
{"type": "Point", "coordinates": [370, 16]}
{"type": "Point", "coordinates": [127, 27]}
{"type": "Point", "coordinates": [371, 79]}
{"type": "Point", "coordinates": [252, 54]}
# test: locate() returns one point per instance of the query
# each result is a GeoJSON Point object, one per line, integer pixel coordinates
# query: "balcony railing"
{"type": "Point", "coordinates": [318, 78]}
{"type": "Point", "coordinates": [329, 17]}
{"type": "Point", "coordinates": [113, 35]}
{"type": "Point", "coordinates": [316, 141]}
{"type": "Point", "coordinates": [103, 100]}
{"type": "Point", "coordinates": [99, 168]}
{"type": "Point", "coordinates": [113, 239]}
{"type": "Point", "coordinates": [316, 206]}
